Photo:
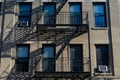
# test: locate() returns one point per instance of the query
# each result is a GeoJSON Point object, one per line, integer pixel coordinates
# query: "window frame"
{"type": "Point", "coordinates": [50, 16]}
{"type": "Point", "coordinates": [49, 59]}
{"type": "Point", "coordinates": [27, 58]}
{"type": "Point", "coordinates": [81, 58]}
{"type": "Point", "coordinates": [24, 3]}
{"type": "Point", "coordinates": [104, 15]}
{"type": "Point", "coordinates": [76, 3]}
{"type": "Point", "coordinates": [44, 45]}
{"type": "Point", "coordinates": [108, 54]}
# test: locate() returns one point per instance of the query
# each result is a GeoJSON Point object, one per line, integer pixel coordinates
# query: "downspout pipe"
{"type": "Point", "coordinates": [110, 37]}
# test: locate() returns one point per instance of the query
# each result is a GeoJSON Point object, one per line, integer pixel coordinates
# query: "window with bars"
{"type": "Point", "coordinates": [22, 61]}
{"type": "Point", "coordinates": [76, 58]}
{"type": "Point", "coordinates": [48, 58]}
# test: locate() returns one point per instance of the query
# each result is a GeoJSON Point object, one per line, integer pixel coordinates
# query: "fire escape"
{"type": "Point", "coordinates": [59, 30]}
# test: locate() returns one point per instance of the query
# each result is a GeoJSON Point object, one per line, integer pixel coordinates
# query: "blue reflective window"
{"type": "Point", "coordinates": [102, 54]}
{"type": "Point", "coordinates": [48, 58]}
{"type": "Point", "coordinates": [75, 13]}
{"type": "Point", "coordinates": [99, 15]}
{"type": "Point", "coordinates": [22, 52]}
{"type": "Point", "coordinates": [22, 61]}
{"type": "Point", "coordinates": [48, 52]}
{"type": "Point", "coordinates": [49, 10]}
{"type": "Point", "coordinates": [76, 58]}
{"type": "Point", "coordinates": [25, 14]}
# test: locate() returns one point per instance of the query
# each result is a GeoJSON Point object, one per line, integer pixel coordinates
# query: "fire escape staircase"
{"type": "Point", "coordinates": [61, 4]}
{"type": "Point", "coordinates": [60, 36]}
{"type": "Point", "coordinates": [65, 42]}
{"type": "Point", "coordinates": [16, 35]}
{"type": "Point", "coordinates": [19, 35]}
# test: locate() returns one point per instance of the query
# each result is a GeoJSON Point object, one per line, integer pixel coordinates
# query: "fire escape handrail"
{"type": "Point", "coordinates": [60, 6]}
{"type": "Point", "coordinates": [64, 19]}
{"type": "Point", "coordinates": [66, 41]}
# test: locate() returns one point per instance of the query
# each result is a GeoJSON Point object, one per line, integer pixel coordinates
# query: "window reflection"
{"type": "Point", "coordinates": [75, 13]}
{"type": "Point", "coordinates": [48, 58]}
{"type": "Point", "coordinates": [49, 10]}
{"type": "Point", "coordinates": [22, 61]}
{"type": "Point", "coordinates": [25, 14]}
{"type": "Point", "coordinates": [102, 54]}
{"type": "Point", "coordinates": [99, 14]}
{"type": "Point", "coordinates": [76, 58]}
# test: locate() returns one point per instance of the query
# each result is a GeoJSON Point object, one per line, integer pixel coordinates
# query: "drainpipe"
{"type": "Point", "coordinates": [89, 50]}
{"type": "Point", "coordinates": [110, 37]}
{"type": "Point", "coordinates": [2, 28]}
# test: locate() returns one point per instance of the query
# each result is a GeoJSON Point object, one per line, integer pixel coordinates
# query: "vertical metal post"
{"type": "Point", "coordinates": [89, 49]}
{"type": "Point", "coordinates": [110, 38]}
{"type": "Point", "coordinates": [2, 28]}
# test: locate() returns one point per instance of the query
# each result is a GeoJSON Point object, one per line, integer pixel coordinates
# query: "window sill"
{"type": "Point", "coordinates": [103, 74]}
{"type": "Point", "coordinates": [99, 28]}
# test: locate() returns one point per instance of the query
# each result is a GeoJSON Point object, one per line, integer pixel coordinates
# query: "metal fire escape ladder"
{"type": "Point", "coordinates": [62, 3]}
{"type": "Point", "coordinates": [66, 41]}
{"type": "Point", "coordinates": [7, 8]}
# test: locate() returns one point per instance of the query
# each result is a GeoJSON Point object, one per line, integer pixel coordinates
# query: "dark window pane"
{"type": "Point", "coordinates": [76, 58]}
{"type": "Point", "coordinates": [75, 13]}
{"type": "Point", "coordinates": [99, 9]}
{"type": "Point", "coordinates": [48, 58]}
{"type": "Point", "coordinates": [49, 10]}
{"type": "Point", "coordinates": [75, 8]}
{"type": "Point", "coordinates": [24, 18]}
{"type": "Point", "coordinates": [48, 52]}
{"type": "Point", "coordinates": [99, 15]}
{"type": "Point", "coordinates": [25, 7]}
{"type": "Point", "coordinates": [25, 14]}
{"type": "Point", "coordinates": [102, 54]}
{"type": "Point", "coordinates": [100, 21]}
{"type": "Point", "coordinates": [22, 61]}
{"type": "Point", "coordinates": [22, 52]}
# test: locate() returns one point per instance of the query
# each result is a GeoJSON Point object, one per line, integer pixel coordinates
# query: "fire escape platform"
{"type": "Point", "coordinates": [80, 25]}
{"type": "Point", "coordinates": [62, 74]}
{"type": "Point", "coordinates": [44, 33]}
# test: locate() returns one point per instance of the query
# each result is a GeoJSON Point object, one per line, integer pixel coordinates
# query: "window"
{"type": "Point", "coordinates": [49, 10]}
{"type": "Point", "coordinates": [75, 13]}
{"type": "Point", "coordinates": [0, 7]}
{"type": "Point", "coordinates": [25, 14]}
{"type": "Point", "coordinates": [22, 61]}
{"type": "Point", "coordinates": [102, 54]}
{"type": "Point", "coordinates": [99, 14]}
{"type": "Point", "coordinates": [76, 58]}
{"type": "Point", "coordinates": [48, 58]}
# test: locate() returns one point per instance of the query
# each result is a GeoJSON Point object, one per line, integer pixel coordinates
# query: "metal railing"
{"type": "Point", "coordinates": [63, 64]}
{"type": "Point", "coordinates": [64, 18]}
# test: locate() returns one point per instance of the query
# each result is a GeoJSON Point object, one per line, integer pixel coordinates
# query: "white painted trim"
{"type": "Point", "coordinates": [76, 0]}
{"type": "Point", "coordinates": [25, 0]}
{"type": "Point", "coordinates": [50, 0]}
{"type": "Point", "coordinates": [98, 1]}
{"type": "Point", "coordinates": [1, 0]}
